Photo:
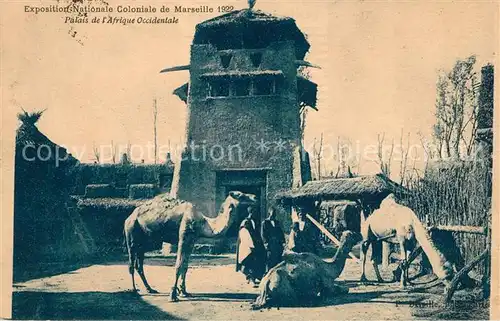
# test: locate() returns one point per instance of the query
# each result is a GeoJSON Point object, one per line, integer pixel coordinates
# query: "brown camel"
{"type": "Point", "coordinates": [396, 223]}
{"type": "Point", "coordinates": [169, 220]}
{"type": "Point", "coordinates": [304, 277]}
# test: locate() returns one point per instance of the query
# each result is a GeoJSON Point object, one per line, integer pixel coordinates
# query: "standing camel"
{"type": "Point", "coordinates": [304, 277]}
{"type": "Point", "coordinates": [169, 220]}
{"type": "Point", "coordinates": [396, 223]}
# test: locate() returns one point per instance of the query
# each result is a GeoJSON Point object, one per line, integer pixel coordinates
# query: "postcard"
{"type": "Point", "coordinates": [251, 159]}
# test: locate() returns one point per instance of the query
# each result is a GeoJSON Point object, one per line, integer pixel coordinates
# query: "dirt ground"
{"type": "Point", "coordinates": [99, 291]}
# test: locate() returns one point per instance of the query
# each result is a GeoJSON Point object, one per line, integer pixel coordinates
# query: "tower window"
{"type": "Point", "coordinates": [263, 86]}
{"type": "Point", "coordinates": [244, 86]}
{"type": "Point", "coordinates": [225, 60]}
{"type": "Point", "coordinates": [241, 87]}
{"type": "Point", "coordinates": [219, 88]}
{"type": "Point", "coordinates": [256, 59]}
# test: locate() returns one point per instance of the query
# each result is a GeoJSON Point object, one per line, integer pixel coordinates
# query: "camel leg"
{"type": "Point", "coordinates": [332, 289]}
{"type": "Point", "coordinates": [413, 255]}
{"type": "Point", "coordinates": [404, 264]}
{"type": "Point", "coordinates": [364, 250]}
{"type": "Point", "coordinates": [407, 268]}
{"type": "Point", "coordinates": [131, 260]}
{"type": "Point", "coordinates": [376, 258]}
{"type": "Point", "coordinates": [377, 272]}
{"type": "Point", "coordinates": [186, 243]}
{"type": "Point", "coordinates": [277, 291]}
{"type": "Point", "coordinates": [188, 249]}
{"type": "Point", "coordinates": [140, 270]}
{"type": "Point", "coordinates": [178, 263]}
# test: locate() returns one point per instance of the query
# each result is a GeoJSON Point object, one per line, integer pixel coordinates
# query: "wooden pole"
{"type": "Point", "coordinates": [329, 235]}
{"type": "Point", "coordinates": [461, 229]}
{"type": "Point", "coordinates": [155, 134]}
{"type": "Point", "coordinates": [451, 288]}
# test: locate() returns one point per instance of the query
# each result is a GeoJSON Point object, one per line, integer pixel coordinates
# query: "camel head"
{"type": "Point", "coordinates": [349, 239]}
{"type": "Point", "coordinates": [389, 200]}
{"type": "Point", "coordinates": [347, 242]}
{"type": "Point", "coordinates": [227, 214]}
{"type": "Point", "coordinates": [240, 198]}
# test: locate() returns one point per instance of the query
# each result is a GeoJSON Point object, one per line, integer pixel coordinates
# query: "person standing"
{"type": "Point", "coordinates": [250, 255]}
{"type": "Point", "coordinates": [303, 236]}
{"type": "Point", "coordinates": [274, 239]}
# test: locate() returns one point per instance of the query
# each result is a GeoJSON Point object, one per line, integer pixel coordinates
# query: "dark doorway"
{"type": "Point", "coordinates": [246, 181]}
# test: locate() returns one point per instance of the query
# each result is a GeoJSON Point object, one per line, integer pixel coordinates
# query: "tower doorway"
{"type": "Point", "coordinates": [246, 181]}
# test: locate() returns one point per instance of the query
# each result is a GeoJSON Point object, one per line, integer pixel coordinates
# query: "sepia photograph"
{"type": "Point", "coordinates": [249, 160]}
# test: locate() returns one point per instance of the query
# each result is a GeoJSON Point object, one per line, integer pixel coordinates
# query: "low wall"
{"type": "Point", "coordinates": [121, 176]}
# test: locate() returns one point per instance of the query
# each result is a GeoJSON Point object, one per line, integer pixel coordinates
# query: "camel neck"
{"type": "Point", "coordinates": [220, 224]}
{"type": "Point", "coordinates": [339, 260]}
{"type": "Point", "coordinates": [342, 252]}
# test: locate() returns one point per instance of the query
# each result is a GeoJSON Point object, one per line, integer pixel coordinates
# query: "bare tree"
{"type": "Point", "coordinates": [318, 154]}
{"type": "Point", "coordinates": [97, 153]}
{"type": "Point", "coordinates": [155, 117]}
{"type": "Point", "coordinates": [472, 115]}
{"type": "Point", "coordinates": [341, 158]}
{"type": "Point", "coordinates": [442, 130]}
{"type": "Point", "coordinates": [113, 152]}
{"type": "Point", "coordinates": [346, 162]}
{"type": "Point", "coordinates": [456, 109]}
{"type": "Point", "coordinates": [384, 160]}
{"type": "Point", "coordinates": [404, 158]}
{"type": "Point", "coordinates": [430, 150]}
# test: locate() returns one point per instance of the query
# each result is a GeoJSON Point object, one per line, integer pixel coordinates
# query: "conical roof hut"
{"type": "Point", "coordinates": [41, 190]}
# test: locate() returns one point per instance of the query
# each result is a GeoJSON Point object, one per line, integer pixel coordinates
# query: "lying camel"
{"type": "Point", "coordinates": [304, 277]}
{"type": "Point", "coordinates": [169, 220]}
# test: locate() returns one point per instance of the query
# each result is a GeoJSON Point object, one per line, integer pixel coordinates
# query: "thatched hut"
{"type": "Point", "coordinates": [41, 190]}
{"type": "Point", "coordinates": [369, 191]}
{"type": "Point", "coordinates": [340, 215]}
{"type": "Point", "coordinates": [337, 202]}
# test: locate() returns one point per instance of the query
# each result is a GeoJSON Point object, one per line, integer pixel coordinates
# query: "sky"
{"type": "Point", "coordinates": [379, 63]}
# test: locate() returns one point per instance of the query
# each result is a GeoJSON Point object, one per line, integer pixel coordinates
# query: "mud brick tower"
{"type": "Point", "coordinates": [244, 100]}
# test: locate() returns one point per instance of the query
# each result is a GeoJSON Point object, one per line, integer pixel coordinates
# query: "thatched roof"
{"type": "Point", "coordinates": [328, 204]}
{"type": "Point", "coordinates": [28, 134]}
{"type": "Point", "coordinates": [108, 203]}
{"type": "Point", "coordinates": [250, 29]}
{"type": "Point", "coordinates": [160, 167]}
{"type": "Point", "coordinates": [373, 186]}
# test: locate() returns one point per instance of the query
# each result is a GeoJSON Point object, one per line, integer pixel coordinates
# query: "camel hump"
{"type": "Point", "coordinates": [168, 199]}
{"type": "Point", "coordinates": [164, 201]}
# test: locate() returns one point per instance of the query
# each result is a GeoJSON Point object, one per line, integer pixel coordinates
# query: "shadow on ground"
{"type": "Point", "coordinates": [223, 297]}
{"type": "Point", "coordinates": [26, 272]}
{"type": "Point", "coordinates": [84, 306]}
